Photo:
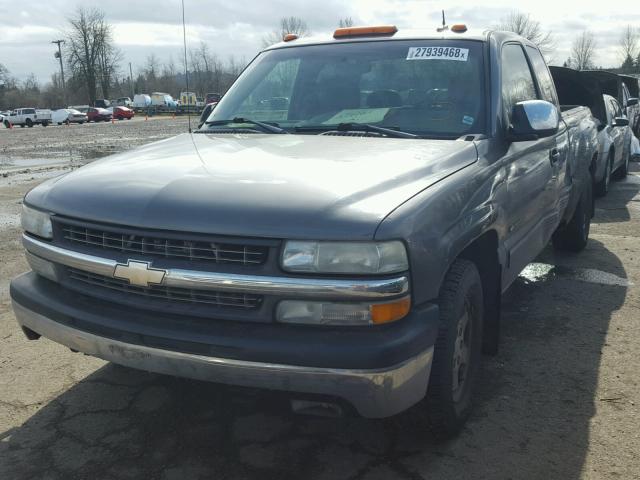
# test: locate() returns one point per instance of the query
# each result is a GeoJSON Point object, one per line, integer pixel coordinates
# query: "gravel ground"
{"type": "Point", "coordinates": [560, 401]}
{"type": "Point", "coordinates": [77, 144]}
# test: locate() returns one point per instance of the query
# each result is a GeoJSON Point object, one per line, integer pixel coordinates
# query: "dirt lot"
{"type": "Point", "coordinates": [560, 401]}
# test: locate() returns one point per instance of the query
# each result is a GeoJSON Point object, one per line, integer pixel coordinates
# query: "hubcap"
{"type": "Point", "coordinates": [461, 354]}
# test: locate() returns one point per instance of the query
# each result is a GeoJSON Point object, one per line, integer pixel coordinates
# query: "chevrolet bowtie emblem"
{"type": "Point", "coordinates": [139, 273]}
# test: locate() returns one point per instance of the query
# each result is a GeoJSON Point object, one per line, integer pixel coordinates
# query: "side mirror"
{"type": "Point", "coordinates": [632, 101]}
{"type": "Point", "coordinates": [533, 119]}
{"type": "Point", "coordinates": [620, 122]}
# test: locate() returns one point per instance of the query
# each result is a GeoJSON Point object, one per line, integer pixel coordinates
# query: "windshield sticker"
{"type": "Point", "coordinates": [438, 53]}
{"type": "Point", "coordinates": [365, 115]}
{"type": "Point", "coordinates": [467, 120]}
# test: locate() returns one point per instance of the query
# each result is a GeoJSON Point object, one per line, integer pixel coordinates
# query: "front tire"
{"type": "Point", "coordinates": [574, 236]}
{"type": "Point", "coordinates": [458, 348]}
{"type": "Point", "coordinates": [29, 123]}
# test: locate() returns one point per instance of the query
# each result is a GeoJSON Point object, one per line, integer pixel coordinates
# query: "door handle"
{"type": "Point", "coordinates": [554, 156]}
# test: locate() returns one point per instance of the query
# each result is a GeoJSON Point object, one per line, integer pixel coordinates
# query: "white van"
{"type": "Point", "coordinates": [141, 100]}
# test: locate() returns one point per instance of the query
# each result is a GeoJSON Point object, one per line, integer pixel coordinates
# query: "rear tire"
{"type": "Point", "coordinates": [458, 349]}
{"type": "Point", "coordinates": [602, 187]}
{"type": "Point", "coordinates": [29, 123]}
{"type": "Point", "coordinates": [7, 124]}
{"type": "Point", "coordinates": [574, 236]}
{"type": "Point", "coordinates": [623, 170]}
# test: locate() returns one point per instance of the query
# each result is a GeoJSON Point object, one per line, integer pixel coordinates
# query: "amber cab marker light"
{"type": "Point", "coordinates": [459, 28]}
{"type": "Point", "coordinates": [289, 37]}
{"type": "Point", "coordinates": [390, 312]}
{"type": "Point", "coordinates": [364, 31]}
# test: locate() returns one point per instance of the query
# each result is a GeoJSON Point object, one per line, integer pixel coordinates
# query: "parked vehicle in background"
{"type": "Point", "coordinates": [124, 102]}
{"type": "Point", "coordinates": [187, 99]}
{"type": "Point", "coordinates": [615, 86]}
{"type": "Point", "coordinates": [98, 115]}
{"type": "Point", "coordinates": [189, 102]}
{"type": "Point", "coordinates": [633, 84]}
{"type": "Point", "coordinates": [68, 115]}
{"type": "Point", "coordinates": [28, 117]}
{"type": "Point", "coordinates": [163, 100]}
{"type": "Point", "coordinates": [614, 135]}
{"type": "Point", "coordinates": [103, 103]}
{"type": "Point", "coordinates": [123, 113]}
{"type": "Point", "coordinates": [212, 98]}
{"type": "Point", "coordinates": [354, 245]}
{"type": "Point", "coordinates": [621, 136]}
{"type": "Point", "coordinates": [80, 108]}
{"type": "Point", "coordinates": [141, 100]}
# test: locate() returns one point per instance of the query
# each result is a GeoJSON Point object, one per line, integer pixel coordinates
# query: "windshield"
{"type": "Point", "coordinates": [425, 87]}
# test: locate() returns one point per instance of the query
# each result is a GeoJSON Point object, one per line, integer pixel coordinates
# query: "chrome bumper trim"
{"type": "Point", "coordinates": [374, 393]}
{"type": "Point", "coordinates": [315, 288]}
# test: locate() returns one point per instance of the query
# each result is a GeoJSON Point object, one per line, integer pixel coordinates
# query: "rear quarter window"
{"type": "Point", "coordinates": [545, 82]}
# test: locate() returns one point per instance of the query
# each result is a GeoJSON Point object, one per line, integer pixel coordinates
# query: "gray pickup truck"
{"type": "Point", "coordinates": [341, 228]}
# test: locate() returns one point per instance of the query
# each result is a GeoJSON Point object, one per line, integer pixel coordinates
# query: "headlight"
{"type": "Point", "coordinates": [328, 313]}
{"type": "Point", "coordinates": [345, 257]}
{"type": "Point", "coordinates": [36, 222]}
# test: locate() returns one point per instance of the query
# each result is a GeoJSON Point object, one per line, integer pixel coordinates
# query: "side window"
{"type": "Point", "coordinates": [517, 82]}
{"type": "Point", "coordinates": [617, 111]}
{"type": "Point", "coordinates": [545, 82]}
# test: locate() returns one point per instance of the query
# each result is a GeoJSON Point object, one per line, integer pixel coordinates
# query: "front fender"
{"type": "Point", "coordinates": [443, 220]}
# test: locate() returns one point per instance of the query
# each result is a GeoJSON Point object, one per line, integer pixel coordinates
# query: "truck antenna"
{"type": "Point", "coordinates": [444, 24]}
{"type": "Point", "coordinates": [186, 70]}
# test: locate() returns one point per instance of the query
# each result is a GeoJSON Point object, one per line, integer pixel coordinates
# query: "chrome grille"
{"type": "Point", "coordinates": [215, 299]}
{"type": "Point", "coordinates": [157, 246]}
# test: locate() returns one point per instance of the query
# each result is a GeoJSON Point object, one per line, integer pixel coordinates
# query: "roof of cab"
{"type": "Point", "coordinates": [401, 34]}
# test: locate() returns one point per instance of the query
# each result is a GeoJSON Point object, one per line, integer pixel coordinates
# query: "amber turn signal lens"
{"type": "Point", "coordinates": [390, 312]}
{"type": "Point", "coordinates": [290, 37]}
{"type": "Point", "coordinates": [459, 28]}
{"type": "Point", "coordinates": [364, 31]}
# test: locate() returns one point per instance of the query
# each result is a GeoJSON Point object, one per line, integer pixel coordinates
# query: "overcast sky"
{"type": "Point", "coordinates": [234, 27]}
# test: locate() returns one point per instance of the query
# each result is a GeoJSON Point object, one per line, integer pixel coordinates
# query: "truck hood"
{"type": "Point", "coordinates": [279, 186]}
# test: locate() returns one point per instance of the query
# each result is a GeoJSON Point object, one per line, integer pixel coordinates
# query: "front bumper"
{"type": "Point", "coordinates": [285, 362]}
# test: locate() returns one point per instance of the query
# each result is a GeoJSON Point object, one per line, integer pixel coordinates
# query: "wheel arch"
{"type": "Point", "coordinates": [483, 251]}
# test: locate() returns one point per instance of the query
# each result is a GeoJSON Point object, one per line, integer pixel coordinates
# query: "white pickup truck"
{"type": "Point", "coordinates": [28, 117]}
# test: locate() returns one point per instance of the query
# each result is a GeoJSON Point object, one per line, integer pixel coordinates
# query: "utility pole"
{"type": "Point", "coordinates": [58, 55]}
{"type": "Point", "coordinates": [131, 81]}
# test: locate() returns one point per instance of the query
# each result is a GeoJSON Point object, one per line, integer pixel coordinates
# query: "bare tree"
{"type": "Point", "coordinates": [152, 67]}
{"type": "Point", "coordinates": [583, 51]}
{"type": "Point", "coordinates": [108, 61]}
{"type": "Point", "coordinates": [288, 25]}
{"type": "Point", "coordinates": [345, 22]}
{"type": "Point", "coordinates": [531, 29]}
{"type": "Point", "coordinates": [91, 56]}
{"type": "Point", "coordinates": [628, 45]}
{"type": "Point", "coordinates": [4, 75]}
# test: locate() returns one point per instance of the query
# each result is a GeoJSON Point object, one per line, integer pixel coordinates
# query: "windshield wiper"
{"type": "Point", "coordinates": [364, 127]}
{"type": "Point", "coordinates": [264, 126]}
